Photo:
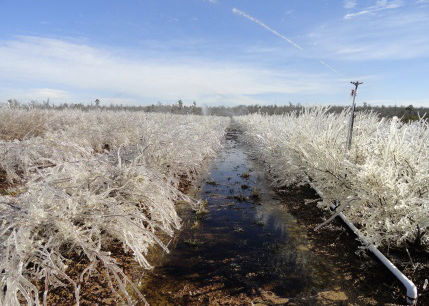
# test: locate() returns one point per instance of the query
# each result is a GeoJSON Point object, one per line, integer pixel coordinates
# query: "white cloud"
{"type": "Point", "coordinates": [400, 35]}
{"type": "Point", "coordinates": [49, 93]}
{"type": "Point", "coordinates": [349, 4]}
{"type": "Point", "coordinates": [81, 69]}
{"type": "Point", "coordinates": [36, 94]}
{"type": "Point", "coordinates": [380, 5]}
{"type": "Point", "coordinates": [423, 3]}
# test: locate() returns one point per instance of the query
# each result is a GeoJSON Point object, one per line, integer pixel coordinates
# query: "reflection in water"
{"type": "Point", "coordinates": [245, 244]}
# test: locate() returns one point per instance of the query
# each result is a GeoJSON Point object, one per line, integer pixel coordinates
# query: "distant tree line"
{"type": "Point", "coordinates": [175, 108]}
{"type": "Point", "coordinates": [407, 113]}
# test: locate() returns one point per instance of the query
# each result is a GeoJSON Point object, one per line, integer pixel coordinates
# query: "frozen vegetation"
{"type": "Point", "coordinates": [79, 181]}
{"type": "Point", "coordinates": [383, 182]}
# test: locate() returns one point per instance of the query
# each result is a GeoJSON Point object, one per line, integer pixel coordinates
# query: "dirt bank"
{"type": "Point", "coordinates": [371, 282]}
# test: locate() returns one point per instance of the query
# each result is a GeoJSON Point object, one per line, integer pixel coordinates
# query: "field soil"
{"type": "Point", "coordinates": [372, 283]}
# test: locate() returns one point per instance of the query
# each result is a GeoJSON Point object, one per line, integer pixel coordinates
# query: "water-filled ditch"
{"type": "Point", "coordinates": [246, 248]}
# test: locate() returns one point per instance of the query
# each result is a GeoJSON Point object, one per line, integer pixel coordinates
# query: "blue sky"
{"type": "Point", "coordinates": [143, 51]}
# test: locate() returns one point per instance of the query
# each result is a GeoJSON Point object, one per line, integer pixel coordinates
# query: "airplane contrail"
{"type": "Point", "coordinates": [238, 12]}
{"type": "Point", "coordinates": [334, 70]}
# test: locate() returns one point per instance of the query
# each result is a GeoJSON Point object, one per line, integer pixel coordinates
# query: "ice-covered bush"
{"type": "Point", "coordinates": [82, 206]}
{"type": "Point", "coordinates": [20, 124]}
{"type": "Point", "coordinates": [385, 174]}
{"type": "Point", "coordinates": [102, 178]}
{"type": "Point", "coordinates": [175, 143]}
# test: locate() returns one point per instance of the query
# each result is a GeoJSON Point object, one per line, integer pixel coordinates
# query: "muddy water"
{"type": "Point", "coordinates": [245, 249]}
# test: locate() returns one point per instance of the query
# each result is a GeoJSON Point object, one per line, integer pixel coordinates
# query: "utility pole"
{"type": "Point", "coordinates": [352, 116]}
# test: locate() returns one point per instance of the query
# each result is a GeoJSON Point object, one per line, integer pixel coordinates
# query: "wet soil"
{"type": "Point", "coordinates": [372, 282]}
{"type": "Point", "coordinates": [3, 183]}
{"type": "Point", "coordinates": [248, 249]}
